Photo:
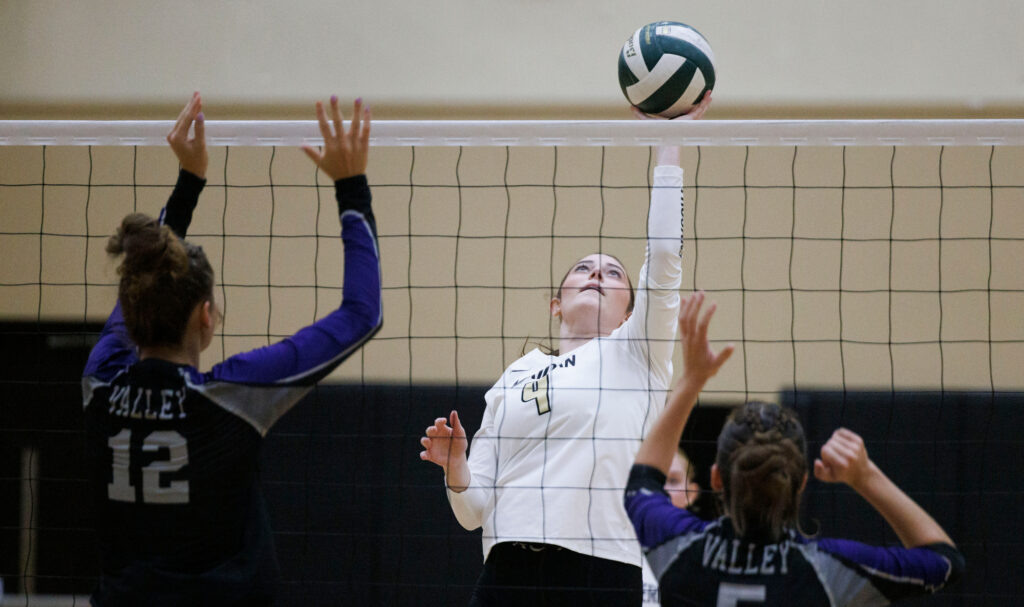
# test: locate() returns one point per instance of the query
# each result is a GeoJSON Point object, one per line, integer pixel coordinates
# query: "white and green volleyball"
{"type": "Point", "coordinates": [665, 68]}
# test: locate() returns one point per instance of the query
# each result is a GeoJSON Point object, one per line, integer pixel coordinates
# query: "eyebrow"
{"type": "Point", "coordinates": [588, 262]}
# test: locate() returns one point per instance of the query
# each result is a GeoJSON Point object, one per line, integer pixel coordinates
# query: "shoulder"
{"type": "Point", "coordinates": [530, 361]}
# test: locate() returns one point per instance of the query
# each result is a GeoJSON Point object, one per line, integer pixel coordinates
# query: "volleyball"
{"type": "Point", "coordinates": [665, 68]}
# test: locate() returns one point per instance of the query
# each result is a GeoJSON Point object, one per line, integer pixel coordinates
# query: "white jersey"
{"type": "Point", "coordinates": [550, 461]}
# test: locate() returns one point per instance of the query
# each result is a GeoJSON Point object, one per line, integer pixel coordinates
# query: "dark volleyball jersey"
{"type": "Point", "coordinates": [701, 562]}
{"type": "Point", "coordinates": [174, 452]}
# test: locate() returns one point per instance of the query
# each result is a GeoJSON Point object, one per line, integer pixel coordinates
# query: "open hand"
{"type": "Point", "coordinates": [191, 153]}
{"type": "Point", "coordinates": [700, 362]}
{"type": "Point", "coordinates": [344, 154]}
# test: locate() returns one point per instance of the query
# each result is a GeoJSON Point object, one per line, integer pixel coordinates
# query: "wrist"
{"type": "Point", "coordinates": [668, 155]}
{"type": "Point", "coordinates": [198, 171]}
{"type": "Point", "coordinates": [868, 478]}
{"type": "Point", "coordinates": [693, 380]}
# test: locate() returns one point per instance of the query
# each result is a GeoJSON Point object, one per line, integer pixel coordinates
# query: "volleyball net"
{"type": "Point", "coordinates": [844, 255]}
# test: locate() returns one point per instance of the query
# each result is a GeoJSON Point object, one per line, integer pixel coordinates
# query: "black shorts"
{"type": "Point", "coordinates": [542, 575]}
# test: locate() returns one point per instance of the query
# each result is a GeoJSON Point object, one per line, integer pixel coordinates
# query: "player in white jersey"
{"type": "Point", "coordinates": [560, 430]}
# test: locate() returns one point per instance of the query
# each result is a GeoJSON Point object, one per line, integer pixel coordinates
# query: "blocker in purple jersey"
{"type": "Point", "coordinates": [665, 68]}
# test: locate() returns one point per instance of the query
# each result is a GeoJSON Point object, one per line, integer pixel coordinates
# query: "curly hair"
{"type": "Point", "coordinates": [162, 280]}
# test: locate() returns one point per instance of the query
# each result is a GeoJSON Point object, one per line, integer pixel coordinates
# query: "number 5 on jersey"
{"type": "Point", "coordinates": [539, 391]}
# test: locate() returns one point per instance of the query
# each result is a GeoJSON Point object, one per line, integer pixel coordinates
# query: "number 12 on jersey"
{"type": "Point", "coordinates": [165, 451]}
{"type": "Point", "coordinates": [538, 390]}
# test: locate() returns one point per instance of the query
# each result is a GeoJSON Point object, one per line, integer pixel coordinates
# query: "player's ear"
{"type": "Point", "coordinates": [716, 478]}
{"type": "Point", "coordinates": [206, 314]}
{"type": "Point", "coordinates": [556, 307]}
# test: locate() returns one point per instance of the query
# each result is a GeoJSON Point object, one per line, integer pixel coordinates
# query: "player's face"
{"type": "Point", "coordinates": [596, 285]}
{"type": "Point", "coordinates": [680, 490]}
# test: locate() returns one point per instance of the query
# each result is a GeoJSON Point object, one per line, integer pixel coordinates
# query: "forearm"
{"type": "Point", "coordinates": [662, 442]}
{"type": "Point", "coordinates": [912, 524]}
{"type": "Point", "coordinates": [468, 500]}
{"type": "Point", "coordinates": [457, 475]}
{"type": "Point", "coordinates": [652, 323]}
{"type": "Point", "coordinates": [667, 155]}
{"type": "Point", "coordinates": [177, 215]}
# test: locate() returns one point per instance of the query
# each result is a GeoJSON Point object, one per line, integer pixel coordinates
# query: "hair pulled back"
{"type": "Point", "coordinates": [762, 457]}
{"type": "Point", "coordinates": [162, 280]}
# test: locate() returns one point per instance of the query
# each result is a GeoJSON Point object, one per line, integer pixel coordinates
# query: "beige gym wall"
{"type": "Point", "coordinates": [508, 58]}
{"type": "Point", "coordinates": [120, 59]}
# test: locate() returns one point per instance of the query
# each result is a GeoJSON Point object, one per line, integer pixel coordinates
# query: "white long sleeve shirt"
{"type": "Point", "coordinates": [551, 458]}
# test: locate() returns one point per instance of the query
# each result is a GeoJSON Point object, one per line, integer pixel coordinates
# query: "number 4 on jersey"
{"type": "Point", "coordinates": [538, 391]}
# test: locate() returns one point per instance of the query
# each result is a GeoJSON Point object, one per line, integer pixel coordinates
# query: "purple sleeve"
{"type": "Point", "coordinates": [313, 352]}
{"type": "Point", "coordinates": [654, 517]}
{"type": "Point", "coordinates": [114, 350]}
{"type": "Point", "coordinates": [900, 572]}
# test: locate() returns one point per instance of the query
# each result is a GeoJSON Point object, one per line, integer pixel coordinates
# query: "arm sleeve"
{"type": "Point", "coordinates": [471, 505]}
{"type": "Point", "coordinates": [291, 366]}
{"type": "Point", "coordinates": [898, 572]}
{"type": "Point", "coordinates": [177, 215]}
{"type": "Point", "coordinates": [651, 328]}
{"type": "Point", "coordinates": [654, 517]}
{"type": "Point", "coordinates": [115, 350]}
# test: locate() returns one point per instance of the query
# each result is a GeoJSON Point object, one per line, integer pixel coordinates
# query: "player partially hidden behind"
{"type": "Point", "coordinates": [756, 554]}
{"type": "Point", "coordinates": [174, 451]}
{"type": "Point", "coordinates": [683, 491]}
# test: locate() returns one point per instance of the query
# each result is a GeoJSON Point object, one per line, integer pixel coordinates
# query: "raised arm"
{"type": "Point", "coordinates": [928, 560]}
{"type": "Point", "coordinates": [194, 160]}
{"type": "Point", "coordinates": [115, 350]}
{"type": "Point", "coordinates": [314, 351]}
{"type": "Point", "coordinates": [700, 363]}
{"type": "Point", "coordinates": [649, 507]}
{"type": "Point", "coordinates": [844, 459]}
{"type": "Point", "coordinates": [651, 325]}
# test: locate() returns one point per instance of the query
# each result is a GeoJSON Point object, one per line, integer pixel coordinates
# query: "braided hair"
{"type": "Point", "coordinates": [762, 457]}
{"type": "Point", "coordinates": [163, 278]}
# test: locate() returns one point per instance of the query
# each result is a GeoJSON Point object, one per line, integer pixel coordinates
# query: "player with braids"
{"type": "Point", "coordinates": [756, 554]}
{"type": "Point", "coordinates": [174, 452]}
{"type": "Point", "coordinates": [560, 428]}
{"type": "Point", "coordinates": [762, 465]}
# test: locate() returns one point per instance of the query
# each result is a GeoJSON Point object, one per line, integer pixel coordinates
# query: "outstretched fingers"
{"type": "Point", "coordinates": [457, 424]}
{"type": "Point", "coordinates": [357, 115]}
{"type": "Point", "coordinates": [179, 132]}
{"type": "Point", "coordinates": [191, 152]}
{"type": "Point", "coordinates": [697, 111]}
{"type": "Point", "coordinates": [705, 321]}
{"type": "Point", "coordinates": [313, 153]}
{"type": "Point", "coordinates": [364, 132]}
{"type": "Point", "coordinates": [321, 118]}
{"type": "Point", "coordinates": [699, 359]}
{"type": "Point", "coordinates": [343, 155]}
{"type": "Point", "coordinates": [339, 125]}
{"type": "Point", "coordinates": [200, 131]}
